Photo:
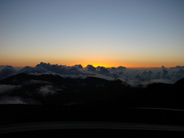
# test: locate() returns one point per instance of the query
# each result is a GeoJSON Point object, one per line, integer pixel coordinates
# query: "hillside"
{"type": "Point", "coordinates": [50, 89]}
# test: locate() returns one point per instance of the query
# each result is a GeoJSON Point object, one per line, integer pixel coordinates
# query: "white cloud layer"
{"type": "Point", "coordinates": [131, 76]}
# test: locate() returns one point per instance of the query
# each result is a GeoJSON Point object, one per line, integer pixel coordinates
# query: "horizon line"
{"type": "Point", "coordinates": [84, 66]}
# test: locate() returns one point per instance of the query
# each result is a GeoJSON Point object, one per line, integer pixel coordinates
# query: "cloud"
{"type": "Point", "coordinates": [122, 68]}
{"type": "Point", "coordinates": [11, 100]}
{"type": "Point", "coordinates": [118, 72]}
{"type": "Point", "coordinates": [17, 100]}
{"type": "Point", "coordinates": [179, 74]}
{"type": "Point", "coordinates": [164, 73]}
{"type": "Point", "coordinates": [31, 82]}
{"type": "Point", "coordinates": [7, 88]}
{"type": "Point", "coordinates": [91, 68]}
{"type": "Point", "coordinates": [74, 70]}
{"type": "Point", "coordinates": [46, 90]}
{"type": "Point", "coordinates": [7, 71]}
{"type": "Point", "coordinates": [131, 76]}
{"type": "Point", "coordinates": [103, 70]}
{"type": "Point", "coordinates": [145, 83]}
{"type": "Point", "coordinates": [79, 66]}
{"type": "Point", "coordinates": [29, 70]}
{"type": "Point", "coordinates": [60, 69]}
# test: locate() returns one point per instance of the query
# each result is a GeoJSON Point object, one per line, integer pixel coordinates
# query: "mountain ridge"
{"type": "Point", "coordinates": [91, 91]}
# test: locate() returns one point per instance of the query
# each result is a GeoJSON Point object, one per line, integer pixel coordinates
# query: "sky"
{"type": "Point", "coordinates": [109, 33]}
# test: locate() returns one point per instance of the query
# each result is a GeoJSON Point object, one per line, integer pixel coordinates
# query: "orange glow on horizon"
{"type": "Point", "coordinates": [104, 63]}
{"type": "Point", "coordinates": [95, 65]}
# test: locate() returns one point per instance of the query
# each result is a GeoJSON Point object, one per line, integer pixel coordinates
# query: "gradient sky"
{"type": "Point", "coordinates": [131, 33]}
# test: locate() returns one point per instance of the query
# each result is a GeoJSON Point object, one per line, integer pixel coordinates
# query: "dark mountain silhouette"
{"type": "Point", "coordinates": [54, 98]}
{"type": "Point", "coordinates": [48, 89]}
{"type": "Point", "coordinates": [179, 84]}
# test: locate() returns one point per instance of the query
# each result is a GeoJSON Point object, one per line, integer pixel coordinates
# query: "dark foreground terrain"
{"type": "Point", "coordinates": [50, 104]}
{"type": "Point", "coordinates": [24, 120]}
{"type": "Point", "coordinates": [90, 92]}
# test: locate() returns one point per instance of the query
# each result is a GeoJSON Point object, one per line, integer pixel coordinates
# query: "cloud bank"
{"type": "Point", "coordinates": [131, 76]}
{"type": "Point", "coordinates": [6, 88]}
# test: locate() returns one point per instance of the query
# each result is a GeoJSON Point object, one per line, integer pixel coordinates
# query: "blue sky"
{"type": "Point", "coordinates": [133, 33]}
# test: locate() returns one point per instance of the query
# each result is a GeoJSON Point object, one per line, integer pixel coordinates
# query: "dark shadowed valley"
{"type": "Point", "coordinates": [49, 97]}
{"type": "Point", "coordinates": [50, 89]}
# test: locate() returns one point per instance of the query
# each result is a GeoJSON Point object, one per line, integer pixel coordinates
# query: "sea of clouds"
{"type": "Point", "coordinates": [131, 76]}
